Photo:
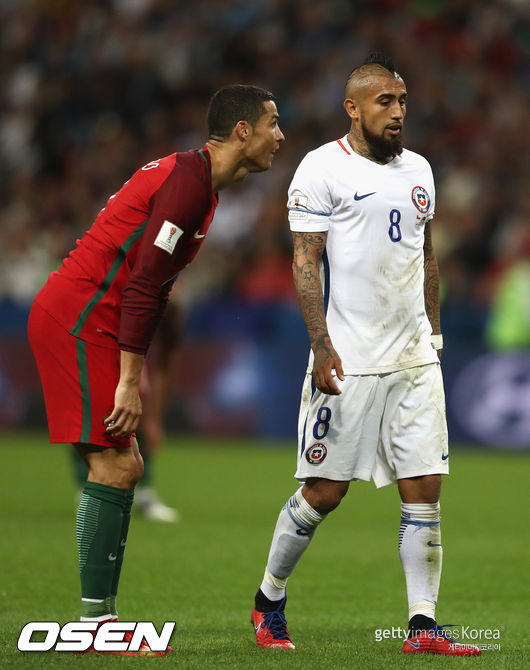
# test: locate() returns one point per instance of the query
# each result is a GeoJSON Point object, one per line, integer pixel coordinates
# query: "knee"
{"type": "Point", "coordinates": [132, 472]}
{"type": "Point", "coordinates": [424, 489]}
{"type": "Point", "coordinates": [324, 495]}
{"type": "Point", "coordinates": [330, 501]}
{"type": "Point", "coordinates": [121, 470]}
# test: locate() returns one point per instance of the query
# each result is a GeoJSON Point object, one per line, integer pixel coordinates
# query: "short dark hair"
{"type": "Point", "coordinates": [231, 104]}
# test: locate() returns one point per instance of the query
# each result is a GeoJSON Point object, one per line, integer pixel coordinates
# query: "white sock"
{"type": "Point", "coordinates": [103, 617]}
{"type": "Point", "coordinates": [420, 550]}
{"type": "Point", "coordinates": [294, 530]}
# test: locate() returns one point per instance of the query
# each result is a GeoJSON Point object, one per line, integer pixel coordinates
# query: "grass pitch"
{"type": "Point", "coordinates": [204, 571]}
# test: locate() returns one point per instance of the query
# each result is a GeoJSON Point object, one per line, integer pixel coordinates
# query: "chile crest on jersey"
{"type": "Point", "coordinates": [316, 454]}
{"type": "Point", "coordinates": [421, 199]}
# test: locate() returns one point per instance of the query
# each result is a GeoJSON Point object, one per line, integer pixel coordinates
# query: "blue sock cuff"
{"type": "Point", "coordinates": [415, 522]}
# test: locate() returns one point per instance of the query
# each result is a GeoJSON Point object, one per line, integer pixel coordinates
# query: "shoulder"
{"type": "Point", "coordinates": [184, 172]}
{"type": "Point", "coordinates": [411, 158]}
{"type": "Point", "coordinates": [137, 191]}
{"type": "Point", "coordinates": [187, 187]}
{"type": "Point", "coordinates": [319, 161]}
{"type": "Point", "coordinates": [193, 167]}
{"type": "Point", "coordinates": [327, 152]}
{"type": "Point", "coordinates": [194, 160]}
{"type": "Point", "coordinates": [160, 165]}
{"type": "Point", "coordinates": [152, 175]}
{"type": "Point", "coordinates": [190, 163]}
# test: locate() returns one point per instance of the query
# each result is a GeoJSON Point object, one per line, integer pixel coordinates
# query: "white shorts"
{"type": "Point", "coordinates": [386, 427]}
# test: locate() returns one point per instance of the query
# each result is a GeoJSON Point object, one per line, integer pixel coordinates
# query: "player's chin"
{"type": "Point", "coordinates": [395, 143]}
{"type": "Point", "coordinates": [262, 165]}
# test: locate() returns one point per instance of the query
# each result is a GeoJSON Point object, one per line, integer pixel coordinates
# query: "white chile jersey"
{"type": "Point", "coordinates": [372, 270]}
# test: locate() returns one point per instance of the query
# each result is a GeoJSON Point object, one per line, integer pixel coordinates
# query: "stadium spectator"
{"type": "Point", "coordinates": [366, 276]}
{"type": "Point", "coordinates": [90, 90]}
{"type": "Point", "coordinates": [91, 324]}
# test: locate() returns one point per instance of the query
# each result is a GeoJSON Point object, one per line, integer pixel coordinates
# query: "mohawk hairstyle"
{"type": "Point", "coordinates": [377, 58]}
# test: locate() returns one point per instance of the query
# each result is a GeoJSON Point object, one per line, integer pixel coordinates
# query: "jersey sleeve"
{"type": "Point", "coordinates": [177, 207]}
{"type": "Point", "coordinates": [309, 201]}
{"type": "Point", "coordinates": [432, 193]}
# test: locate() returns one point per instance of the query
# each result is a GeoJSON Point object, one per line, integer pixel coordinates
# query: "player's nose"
{"type": "Point", "coordinates": [397, 111]}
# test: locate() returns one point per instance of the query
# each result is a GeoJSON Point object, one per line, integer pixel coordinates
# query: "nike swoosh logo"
{"type": "Point", "coordinates": [445, 457]}
{"type": "Point", "coordinates": [256, 628]}
{"type": "Point", "coordinates": [433, 544]}
{"type": "Point", "coordinates": [123, 543]}
{"type": "Point", "coordinates": [362, 197]}
{"type": "Point", "coordinates": [197, 236]}
{"type": "Point", "coordinates": [416, 645]}
{"type": "Point", "coordinates": [112, 557]}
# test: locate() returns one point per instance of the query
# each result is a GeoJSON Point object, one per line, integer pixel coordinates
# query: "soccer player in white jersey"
{"type": "Point", "coordinates": [372, 407]}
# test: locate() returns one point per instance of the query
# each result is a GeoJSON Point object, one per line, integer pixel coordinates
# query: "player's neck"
{"type": "Point", "coordinates": [359, 144]}
{"type": "Point", "coordinates": [226, 166]}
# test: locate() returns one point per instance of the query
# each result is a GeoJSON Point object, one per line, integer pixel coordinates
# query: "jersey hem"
{"type": "Point", "coordinates": [109, 342]}
{"type": "Point", "coordinates": [362, 476]}
{"type": "Point", "coordinates": [381, 482]}
{"type": "Point", "coordinates": [353, 372]}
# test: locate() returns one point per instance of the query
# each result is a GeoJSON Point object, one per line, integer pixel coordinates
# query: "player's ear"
{"type": "Point", "coordinates": [351, 108]}
{"type": "Point", "coordinates": [242, 130]}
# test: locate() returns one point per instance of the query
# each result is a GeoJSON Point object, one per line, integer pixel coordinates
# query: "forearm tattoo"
{"type": "Point", "coordinates": [308, 250]}
{"type": "Point", "coordinates": [431, 282]}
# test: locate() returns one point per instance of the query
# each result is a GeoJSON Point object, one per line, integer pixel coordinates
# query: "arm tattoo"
{"type": "Point", "coordinates": [431, 282]}
{"type": "Point", "coordinates": [308, 251]}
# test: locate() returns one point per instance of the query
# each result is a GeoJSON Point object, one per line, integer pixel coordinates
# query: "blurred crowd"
{"type": "Point", "coordinates": [92, 90]}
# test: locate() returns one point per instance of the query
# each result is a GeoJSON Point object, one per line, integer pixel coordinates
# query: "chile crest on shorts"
{"type": "Point", "coordinates": [316, 454]}
{"type": "Point", "coordinates": [421, 199]}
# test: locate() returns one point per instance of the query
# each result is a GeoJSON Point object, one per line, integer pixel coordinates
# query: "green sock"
{"type": "Point", "coordinates": [121, 550]}
{"type": "Point", "coordinates": [99, 526]}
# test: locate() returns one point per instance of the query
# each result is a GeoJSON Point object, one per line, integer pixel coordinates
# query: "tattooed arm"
{"type": "Point", "coordinates": [308, 250]}
{"type": "Point", "coordinates": [431, 284]}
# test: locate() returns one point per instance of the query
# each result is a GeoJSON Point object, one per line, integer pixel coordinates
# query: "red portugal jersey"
{"type": "Point", "coordinates": [112, 288]}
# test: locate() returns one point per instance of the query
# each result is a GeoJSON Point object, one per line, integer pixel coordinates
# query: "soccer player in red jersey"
{"type": "Point", "coordinates": [91, 324]}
